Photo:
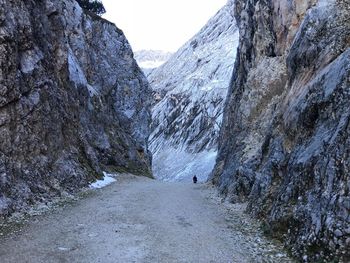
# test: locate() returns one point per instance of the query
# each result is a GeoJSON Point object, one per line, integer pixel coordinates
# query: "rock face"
{"type": "Point", "coordinates": [73, 101]}
{"type": "Point", "coordinates": [189, 92]}
{"type": "Point", "coordinates": [284, 145]}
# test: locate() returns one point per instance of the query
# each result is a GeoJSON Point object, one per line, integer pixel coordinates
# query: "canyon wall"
{"type": "Point", "coordinates": [189, 93]}
{"type": "Point", "coordinates": [284, 146]}
{"type": "Point", "coordinates": [73, 102]}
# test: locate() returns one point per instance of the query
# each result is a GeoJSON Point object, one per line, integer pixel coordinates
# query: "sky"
{"type": "Point", "coordinates": [160, 24]}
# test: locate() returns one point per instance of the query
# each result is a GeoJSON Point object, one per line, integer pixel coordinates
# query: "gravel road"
{"type": "Point", "coordinates": [137, 219]}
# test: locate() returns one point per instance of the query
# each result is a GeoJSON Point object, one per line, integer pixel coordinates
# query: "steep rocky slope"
{"type": "Point", "coordinates": [189, 91]}
{"type": "Point", "coordinates": [73, 101]}
{"type": "Point", "coordinates": [285, 144]}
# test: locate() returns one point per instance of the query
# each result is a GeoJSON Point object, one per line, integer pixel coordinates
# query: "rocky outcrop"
{"type": "Point", "coordinates": [189, 92]}
{"type": "Point", "coordinates": [284, 145]}
{"type": "Point", "coordinates": [73, 102]}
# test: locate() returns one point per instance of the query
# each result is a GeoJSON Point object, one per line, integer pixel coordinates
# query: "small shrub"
{"type": "Point", "coordinates": [94, 6]}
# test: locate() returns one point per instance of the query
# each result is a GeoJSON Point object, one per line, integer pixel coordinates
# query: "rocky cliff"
{"type": "Point", "coordinates": [73, 102]}
{"type": "Point", "coordinates": [284, 146]}
{"type": "Point", "coordinates": [189, 92]}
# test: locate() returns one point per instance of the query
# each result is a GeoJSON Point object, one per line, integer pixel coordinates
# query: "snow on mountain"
{"type": "Point", "coordinates": [151, 59]}
{"type": "Point", "coordinates": [189, 92]}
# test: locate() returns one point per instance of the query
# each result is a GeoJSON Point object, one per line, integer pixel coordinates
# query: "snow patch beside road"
{"type": "Point", "coordinates": [106, 180]}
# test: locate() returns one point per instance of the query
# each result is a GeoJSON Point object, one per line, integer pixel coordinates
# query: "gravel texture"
{"type": "Point", "coordinates": [137, 219]}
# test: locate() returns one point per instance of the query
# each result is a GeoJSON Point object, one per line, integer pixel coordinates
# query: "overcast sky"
{"type": "Point", "coordinates": [160, 24]}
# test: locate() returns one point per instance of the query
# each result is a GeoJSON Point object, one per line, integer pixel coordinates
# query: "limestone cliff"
{"type": "Point", "coordinates": [73, 101]}
{"type": "Point", "coordinates": [189, 91]}
{"type": "Point", "coordinates": [285, 145]}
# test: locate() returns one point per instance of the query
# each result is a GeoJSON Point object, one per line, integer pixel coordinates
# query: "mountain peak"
{"type": "Point", "coordinates": [150, 59]}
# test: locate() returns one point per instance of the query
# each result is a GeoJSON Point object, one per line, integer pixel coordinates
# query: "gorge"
{"type": "Point", "coordinates": [256, 104]}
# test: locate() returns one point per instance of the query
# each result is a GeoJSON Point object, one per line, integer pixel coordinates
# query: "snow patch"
{"type": "Point", "coordinates": [207, 88]}
{"type": "Point", "coordinates": [150, 59]}
{"type": "Point", "coordinates": [106, 180]}
{"type": "Point", "coordinates": [151, 64]}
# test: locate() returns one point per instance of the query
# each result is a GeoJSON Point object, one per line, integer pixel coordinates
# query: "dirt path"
{"type": "Point", "coordinates": [142, 220]}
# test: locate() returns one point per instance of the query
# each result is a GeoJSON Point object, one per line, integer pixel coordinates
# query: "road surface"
{"type": "Point", "coordinates": [137, 219]}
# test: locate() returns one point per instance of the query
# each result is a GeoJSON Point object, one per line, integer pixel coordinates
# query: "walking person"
{"type": "Point", "coordinates": [194, 179]}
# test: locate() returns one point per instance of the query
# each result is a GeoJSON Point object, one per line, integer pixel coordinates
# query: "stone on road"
{"type": "Point", "coordinates": [138, 219]}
